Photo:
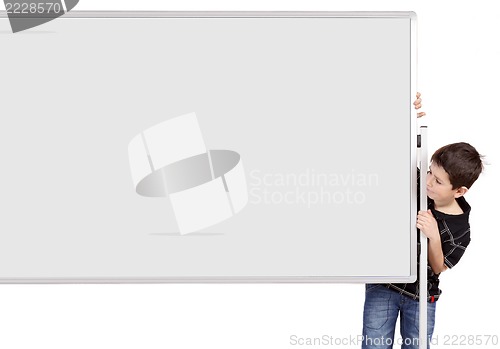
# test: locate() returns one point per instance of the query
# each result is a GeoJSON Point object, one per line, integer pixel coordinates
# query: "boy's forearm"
{"type": "Point", "coordinates": [435, 256]}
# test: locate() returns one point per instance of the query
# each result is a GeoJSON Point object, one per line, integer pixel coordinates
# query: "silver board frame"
{"type": "Point", "coordinates": [260, 279]}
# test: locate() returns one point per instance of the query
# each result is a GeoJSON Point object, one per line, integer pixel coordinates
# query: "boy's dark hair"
{"type": "Point", "coordinates": [461, 161]}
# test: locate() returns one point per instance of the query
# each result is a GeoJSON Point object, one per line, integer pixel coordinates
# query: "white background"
{"type": "Point", "coordinates": [458, 72]}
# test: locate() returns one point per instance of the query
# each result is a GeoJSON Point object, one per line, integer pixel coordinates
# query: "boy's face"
{"type": "Point", "coordinates": [439, 187]}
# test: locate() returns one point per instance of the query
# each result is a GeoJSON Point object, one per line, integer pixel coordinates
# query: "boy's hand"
{"type": "Point", "coordinates": [428, 225]}
{"type": "Point", "coordinates": [418, 105]}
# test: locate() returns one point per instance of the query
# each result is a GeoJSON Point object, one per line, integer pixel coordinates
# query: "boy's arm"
{"type": "Point", "coordinates": [435, 256]}
{"type": "Point", "coordinates": [428, 225]}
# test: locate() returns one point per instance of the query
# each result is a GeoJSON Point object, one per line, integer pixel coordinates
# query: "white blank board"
{"type": "Point", "coordinates": [279, 147]}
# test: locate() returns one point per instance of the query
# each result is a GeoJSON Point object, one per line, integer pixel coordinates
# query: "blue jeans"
{"type": "Point", "coordinates": [382, 307]}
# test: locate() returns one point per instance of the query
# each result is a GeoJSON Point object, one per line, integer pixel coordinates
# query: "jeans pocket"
{"type": "Point", "coordinates": [375, 321]}
{"type": "Point", "coordinates": [377, 307]}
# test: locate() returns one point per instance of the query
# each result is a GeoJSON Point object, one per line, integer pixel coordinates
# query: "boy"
{"type": "Point", "coordinates": [453, 170]}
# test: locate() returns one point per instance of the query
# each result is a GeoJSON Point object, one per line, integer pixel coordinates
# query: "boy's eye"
{"type": "Point", "coordinates": [429, 172]}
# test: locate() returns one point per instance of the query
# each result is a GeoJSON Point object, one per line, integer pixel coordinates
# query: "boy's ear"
{"type": "Point", "coordinates": [460, 191]}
